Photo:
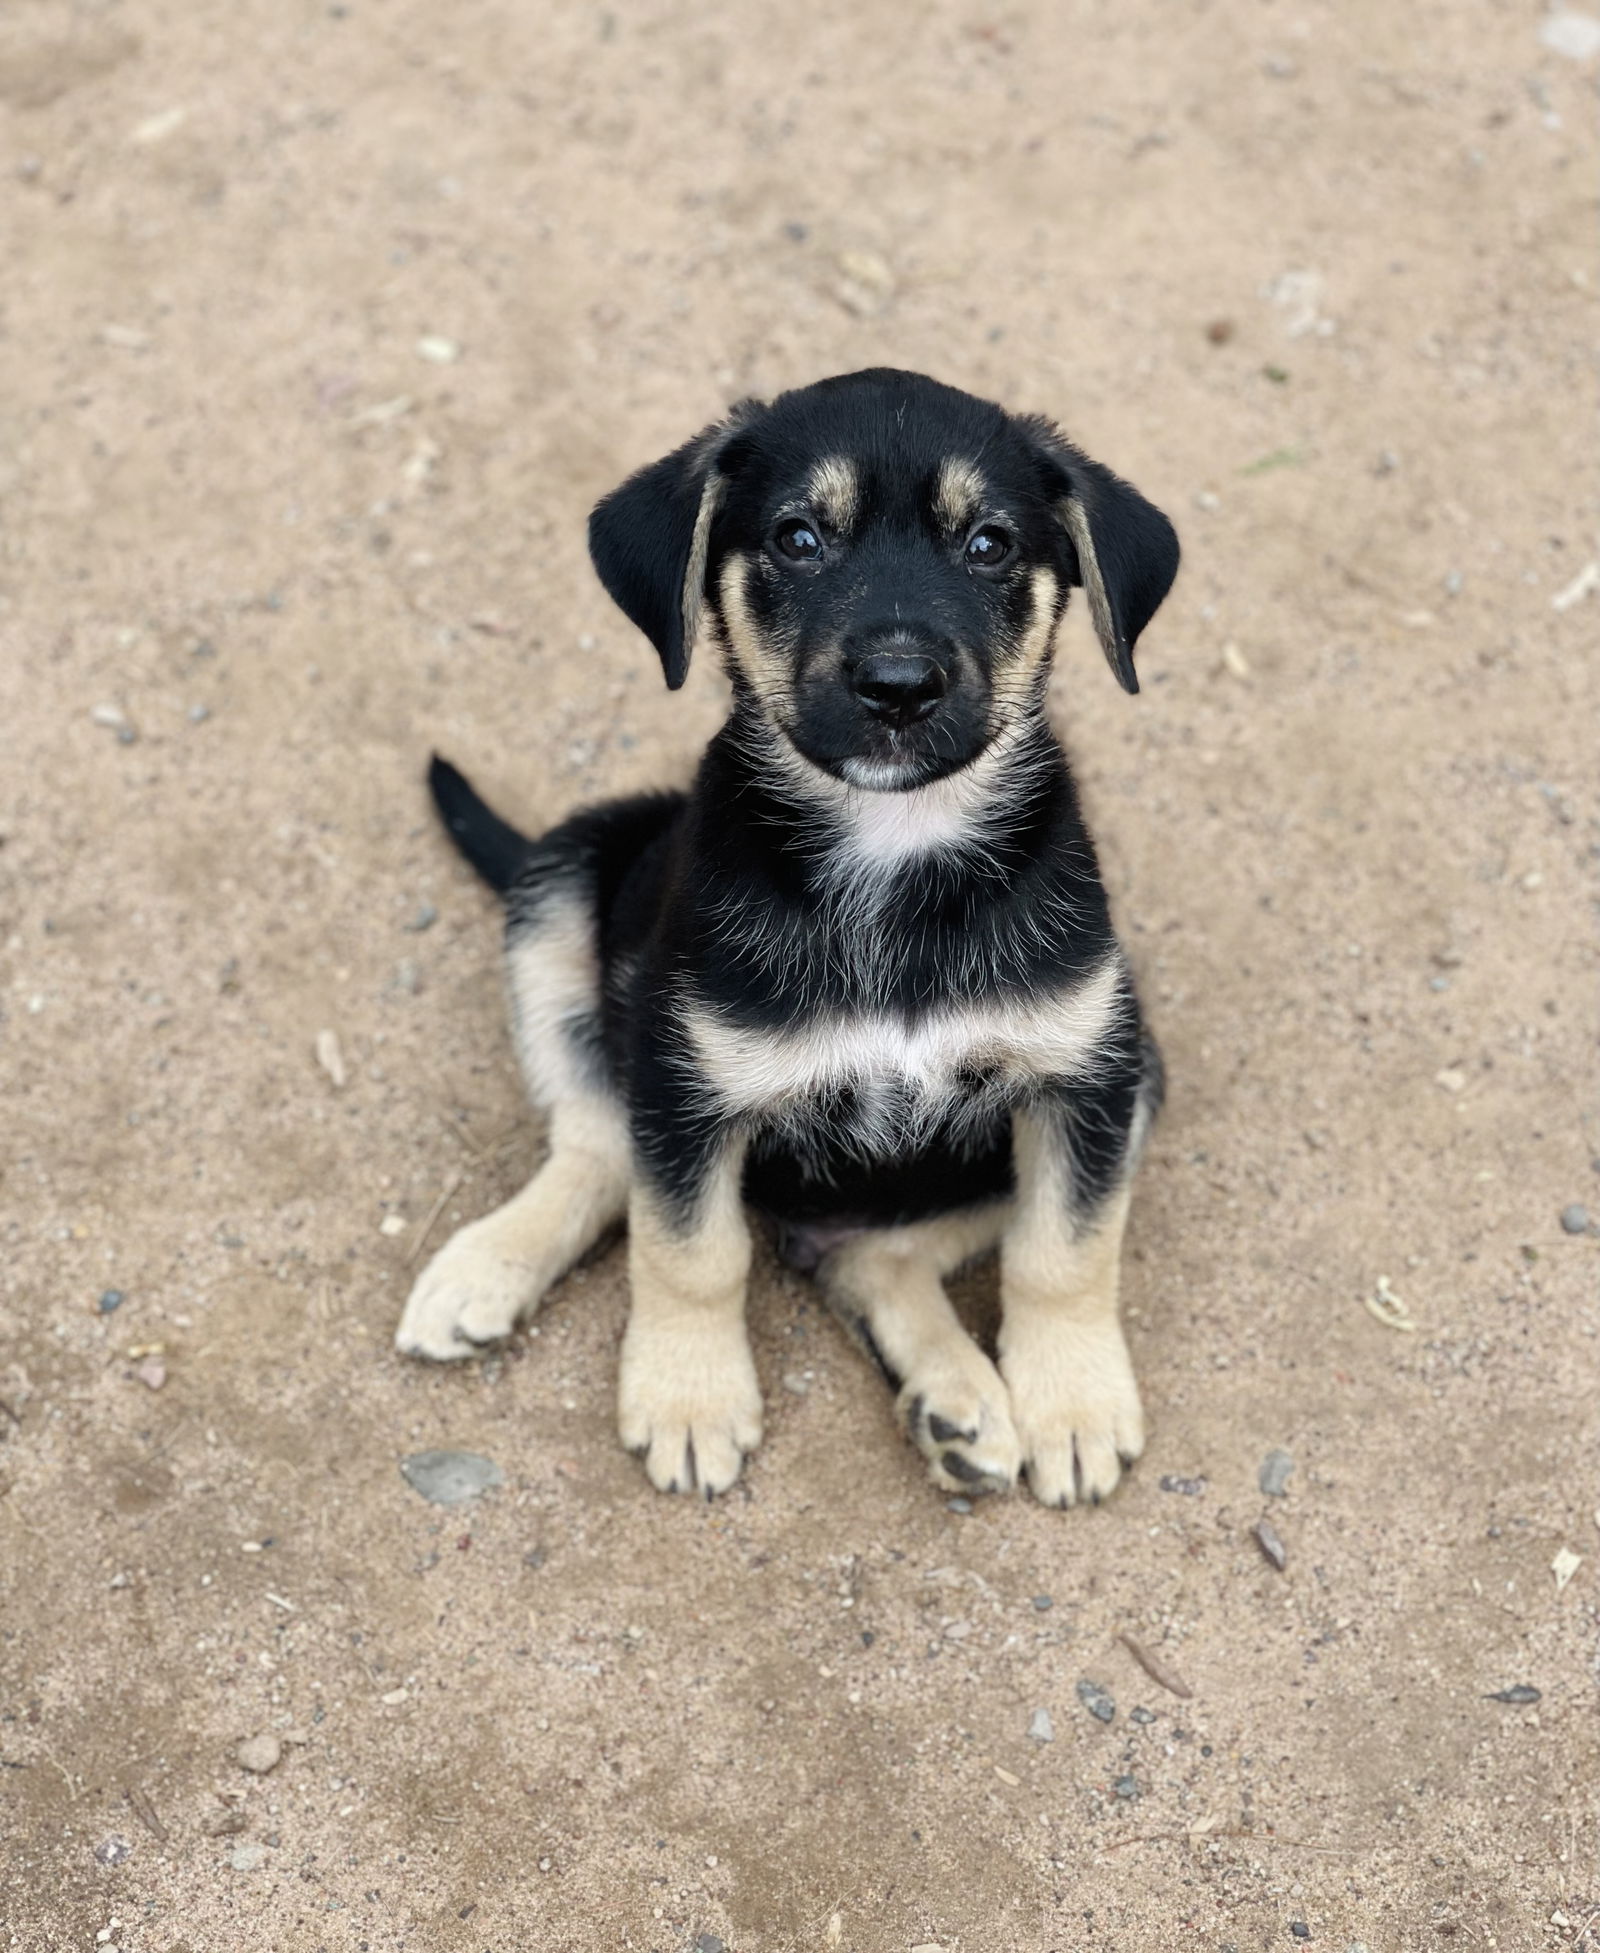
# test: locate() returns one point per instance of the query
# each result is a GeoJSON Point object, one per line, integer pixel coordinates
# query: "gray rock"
{"type": "Point", "coordinates": [259, 1754]}
{"type": "Point", "coordinates": [247, 1857]}
{"type": "Point", "coordinates": [709, 1943]}
{"type": "Point", "coordinates": [1272, 1548]}
{"type": "Point", "coordinates": [1575, 1219]}
{"type": "Point", "coordinates": [450, 1477]}
{"type": "Point", "coordinates": [1188, 1488]}
{"type": "Point", "coordinates": [113, 1851]}
{"type": "Point", "coordinates": [1125, 1788]}
{"type": "Point", "coordinates": [1141, 1716]}
{"type": "Point", "coordinates": [110, 1299]}
{"type": "Point", "coordinates": [961, 1506]}
{"type": "Point", "coordinates": [1098, 1700]}
{"type": "Point", "coordinates": [1520, 1695]}
{"type": "Point", "coordinates": [426, 916]}
{"type": "Point", "coordinates": [1273, 1477]}
{"type": "Point", "coordinates": [1042, 1603]}
{"type": "Point", "coordinates": [1040, 1727]}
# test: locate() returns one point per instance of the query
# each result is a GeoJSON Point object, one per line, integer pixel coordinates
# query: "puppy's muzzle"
{"type": "Point", "coordinates": [897, 686]}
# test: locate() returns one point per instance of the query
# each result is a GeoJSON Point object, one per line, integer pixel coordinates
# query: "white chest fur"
{"type": "Point", "coordinates": [910, 1073]}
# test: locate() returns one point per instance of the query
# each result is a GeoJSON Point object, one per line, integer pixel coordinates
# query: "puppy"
{"type": "Point", "coordinates": [861, 977]}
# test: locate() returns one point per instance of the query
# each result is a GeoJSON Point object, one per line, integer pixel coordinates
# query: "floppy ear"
{"type": "Point", "coordinates": [648, 541]}
{"type": "Point", "coordinates": [1127, 550]}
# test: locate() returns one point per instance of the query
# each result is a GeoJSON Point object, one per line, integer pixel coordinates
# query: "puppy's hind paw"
{"type": "Point", "coordinates": [959, 1418]}
{"type": "Point", "coordinates": [468, 1297]}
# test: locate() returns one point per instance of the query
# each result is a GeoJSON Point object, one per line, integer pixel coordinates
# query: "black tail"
{"type": "Point", "coordinates": [493, 847]}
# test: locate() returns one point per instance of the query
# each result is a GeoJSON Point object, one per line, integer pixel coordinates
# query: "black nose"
{"type": "Point", "coordinates": [898, 687]}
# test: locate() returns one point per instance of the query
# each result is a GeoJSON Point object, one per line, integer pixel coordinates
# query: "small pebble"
{"type": "Point", "coordinates": [1040, 1727]}
{"type": "Point", "coordinates": [198, 714]}
{"type": "Point", "coordinates": [709, 1943]}
{"type": "Point", "coordinates": [1188, 1488]}
{"type": "Point", "coordinates": [1520, 1695]}
{"type": "Point", "coordinates": [1098, 1700]}
{"type": "Point", "coordinates": [1042, 1603]}
{"type": "Point", "coordinates": [426, 916]}
{"type": "Point", "coordinates": [406, 977]}
{"type": "Point", "coordinates": [112, 717]}
{"type": "Point", "coordinates": [796, 1384]}
{"type": "Point", "coordinates": [152, 1372]}
{"type": "Point", "coordinates": [247, 1857]}
{"type": "Point", "coordinates": [1575, 35]}
{"type": "Point", "coordinates": [1144, 1717]}
{"type": "Point", "coordinates": [450, 1477]}
{"type": "Point", "coordinates": [392, 1224]}
{"type": "Point", "coordinates": [1575, 1219]}
{"type": "Point", "coordinates": [259, 1754]}
{"type": "Point", "coordinates": [110, 1299]}
{"type": "Point", "coordinates": [1125, 1788]}
{"type": "Point", "coordinates": [437, 349]}
{"type": "Point", "coordinates": [961, 1506]}
{"type": "Point", "coordinates": [1273, 1478]}
{"type": "Point", "coordinates": [1272, 1547]}
{"type": "Point", "coordinates": [1300, 1929]}
{"type": "Point", "coordinates": [330, 1057]}
{"type": "Point", "coordinates": [113, 1851]}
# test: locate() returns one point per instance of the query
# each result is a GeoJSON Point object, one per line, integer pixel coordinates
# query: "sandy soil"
{"type": "Point", "coordinates": [1320, 279]}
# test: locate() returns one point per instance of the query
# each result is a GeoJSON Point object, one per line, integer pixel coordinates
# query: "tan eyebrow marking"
{"type": "Point", "coordinates": [959, 492]}
{"type": "Point", "coordinates": [834, 489]}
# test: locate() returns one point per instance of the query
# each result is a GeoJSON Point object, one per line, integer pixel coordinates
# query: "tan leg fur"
{"type": "Point", "coordinates": [1062, 1351]}
{"type": "Point", "coordinates": [688, 1400]}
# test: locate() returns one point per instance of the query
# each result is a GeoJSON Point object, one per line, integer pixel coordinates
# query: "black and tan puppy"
{"type": "Point", "coordinates": [861, 977]}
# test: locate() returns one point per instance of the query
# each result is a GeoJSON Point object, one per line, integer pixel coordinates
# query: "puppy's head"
{"type": "Point", "coordinates": [885, 560]}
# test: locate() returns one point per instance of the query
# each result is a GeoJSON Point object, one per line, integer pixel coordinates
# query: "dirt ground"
{"type": "Point", "coordinates": [322, 326]}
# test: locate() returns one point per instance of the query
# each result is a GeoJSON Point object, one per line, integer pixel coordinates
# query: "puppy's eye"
{"type": "Point", "coordinates": [797, 540]}
{"type": "Point", "coordinates": [989, 547]}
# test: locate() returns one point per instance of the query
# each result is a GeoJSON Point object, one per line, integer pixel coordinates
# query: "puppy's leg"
{"type": "Point", "coordinates": [688, 1400]}
{"type": "Point", "coordinates": [888, 1286]}
{"type": "Point", "coordinates": [1062, 1351]}
{"type": "Point", "coordinates": [495, 1270]}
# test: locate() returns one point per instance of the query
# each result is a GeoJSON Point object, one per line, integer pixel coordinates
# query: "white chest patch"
{"type": "Point", "coordinates": [880, 1081]}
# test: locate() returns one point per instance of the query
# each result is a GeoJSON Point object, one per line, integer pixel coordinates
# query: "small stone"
{"type": "Point", "coordinates": [1521, 1695]}
{"type": "Point", "coordinates": [1144, 1717]}
{"type": "Point", "coordinates": [113, 1851]}
{"type": "Point", "coordinates": [709, 1943]}
{"type": "Point", "coordinates": [1042, 1603]}
{"type": "Point", "coordinates": [1451, 1079]}
{"type": "Point", "coordinates": [1188, 1488]}
{"type": "Point", "coordinates": [247, 1857]}
{"type": "Point", "coordinates": [1300, 1929]}
{"type": "Point", "coordinates": [198, 714]}
{"type": "Point", "coordinates": [1273, 1477]}
{"type": "Point", "coordinates": [406, 977]}
{"type": "Point", "coordinates": [1577, 36]}
{"type": "Point", "coordinates": [438, 350]}
{"type": "Point", "coordinates": [152, 1372]}
{"type": "Point", "coordinates": [796, 1384]}
{"type": "Point", "coordinates": [394, 1698]}
{"type": "Point", "coordinates": [392, 1224]}
{"type": "Point", "coordinates": [1564, 1566]}
{"type": "Point", "coordinates": [1220, 331]}
{"type": "Point", "coordinates": [1575, 1218]}
{"type": "Point", "coordinates": [962, 1507]}
{"type": "Point", "coordinates": [450, 1477]}
{"type": "Point", "coordinates": [535, 1557]}
{"type": "Point", "coordinates": [111, 1299]}
{"type": "Point", "coordinates": [259, 1754]}
{"type": "Point", "coordinates": [331, 1058]}
{"type": "Point", "coordinates": [1098, 1700]}
{"type": "Point", "coordinates": [1040, 1728]}
{"type": "Point", "coordinates": [111, 717]}
{"type": "Point", "coordinates": [1272, 1548]}
{"type": "Point", "coordinates": [1125, 1788]}
{"type": "Point", "coordinates": [426, 916]}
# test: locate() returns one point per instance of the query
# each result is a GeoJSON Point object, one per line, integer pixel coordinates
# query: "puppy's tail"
{"type": "Point", "coordinates": [492, 846]}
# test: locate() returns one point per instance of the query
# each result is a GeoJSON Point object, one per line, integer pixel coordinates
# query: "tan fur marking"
{"type": "Point", "coordinates": [1016, 676]}
{"type": "Point", "coordinates": [763, 664]}
{"type": "Point", "coordinates": [1062, 1351]}
{"type": "Point", "coordinates": [687, 1396]}
{"type": "Point", "coordinates": [833, 489]}
{"type": "Point", "coordinates": [959, 493]}
{"type": "Point", "coordinates": [1073, 514]}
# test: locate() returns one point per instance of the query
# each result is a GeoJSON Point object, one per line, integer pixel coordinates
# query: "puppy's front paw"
{"type": "Point", "coordinates": [1076, 1408]}
{"type": "Point", "coordinates": [956, 1412]}
{"type": "Point", "coordinates": [469, 1295]}
{"type": "Point", "coordinates": [689, 1404]}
